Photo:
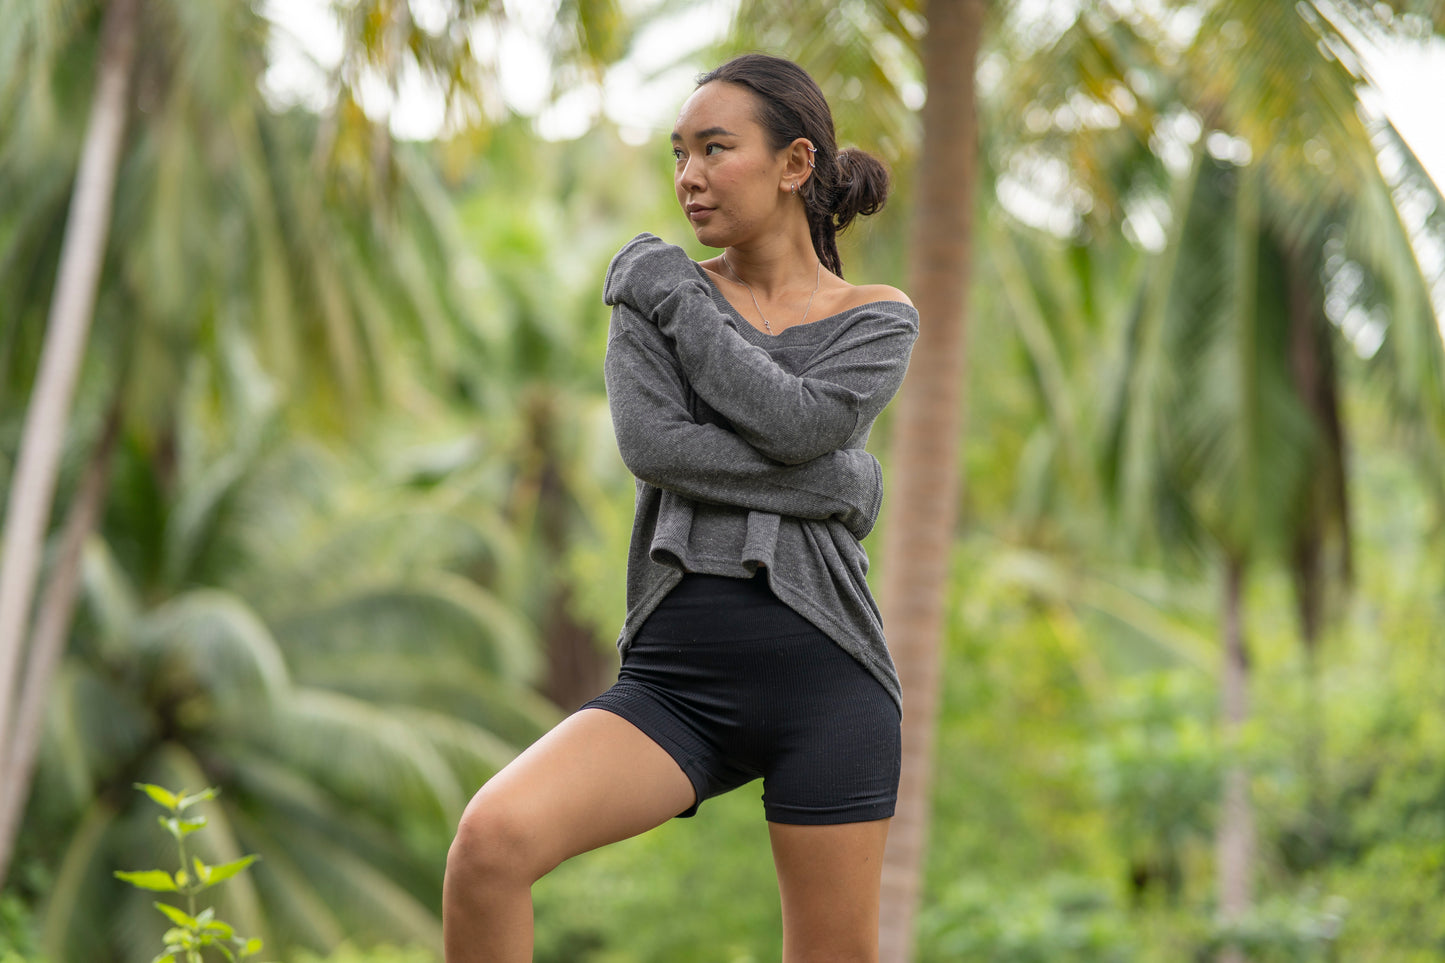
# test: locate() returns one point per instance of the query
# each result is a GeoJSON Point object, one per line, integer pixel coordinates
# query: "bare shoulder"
{"type": "Point", "coordinates": [841, 296]}
{"type": "Point", "coordinates": [860, 294]}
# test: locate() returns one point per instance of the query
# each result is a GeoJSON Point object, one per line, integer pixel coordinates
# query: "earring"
{"type": "Point", "coordinates": [794, 191]}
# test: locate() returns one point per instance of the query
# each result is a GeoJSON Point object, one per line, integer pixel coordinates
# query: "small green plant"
{"type": "Point", "coordinates": [192, 932]}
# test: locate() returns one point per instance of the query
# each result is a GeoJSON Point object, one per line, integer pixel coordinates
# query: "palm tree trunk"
{"type": "Point", "coordinates": [577, 667]}
{"type": "Point", "coordinates": [52, 628]}
{"type": "Point", "coordinates": [1235, 840]}
{"type": "Point", "coordinates": [1321, 554]}
{"type": "Point", "coordinates": [32, 489]}
{"type": "Point", "coordinates": [927, 433]}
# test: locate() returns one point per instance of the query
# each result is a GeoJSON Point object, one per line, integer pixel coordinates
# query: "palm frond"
{"type": "Point", "coordinates": [362, 751]}
{"type": "Point", "coordinates": [447, 682]}
{"type": "Point", "coordinates": [218, 641]}
{"type": "Point", "coordinates": [1398, 287]}
{"type": "Point", "coordinates": [401, 846]}
{"type": "Point", "coordinates": [365, 904]}
{"type": "Point", "coordinates": [444, 612]}
{"type": "Point", "coordinates": [864, 56]}
{"type": "Point", "coordinates": [1173, 639]}
{"type": "Point", "coordinates": [111, 601]}
{"type": "Point", "coordinates": [1134, 454]}
{"type": "Point", "coordinates": [296, 912]}
{"type": "Point", "coordinates": [1290, 92]}
{"type": "Point", "coordinates": [67, 919]}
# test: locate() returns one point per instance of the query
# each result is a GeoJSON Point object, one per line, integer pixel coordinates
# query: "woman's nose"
{"type": "Point", "coordinates": [689, 176]}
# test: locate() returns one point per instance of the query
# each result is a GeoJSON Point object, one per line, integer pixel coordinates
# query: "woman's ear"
{"type": "Point", "coordinates": [799, 164]}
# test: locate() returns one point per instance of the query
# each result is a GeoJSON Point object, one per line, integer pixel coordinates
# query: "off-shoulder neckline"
{"type": "Point", "coordinates": [721, 299]}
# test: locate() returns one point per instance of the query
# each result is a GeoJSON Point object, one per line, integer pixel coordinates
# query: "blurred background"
{"type": "Point", "coordinates": [311, 492]}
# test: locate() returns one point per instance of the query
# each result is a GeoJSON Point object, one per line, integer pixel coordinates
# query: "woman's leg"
{"type": "Point", "coordinates": [592, 780]}
{"type": "Point", "coordinates": [829, 878]}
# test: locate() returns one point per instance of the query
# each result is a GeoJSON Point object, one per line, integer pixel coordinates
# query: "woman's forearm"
{"type": "Point", "coordinates": [665, 447]}
{"type": "Point", "coordinates": [790, 418]}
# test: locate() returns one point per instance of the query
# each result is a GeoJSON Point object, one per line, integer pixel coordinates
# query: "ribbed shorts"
{"type": "Point", "coordinates": [736, 686]}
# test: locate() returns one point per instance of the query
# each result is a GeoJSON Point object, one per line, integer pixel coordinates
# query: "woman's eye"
{"type": "Point", "coordinates": [677, 153]}
{"type": "Point", "coordinates": [711, 147]}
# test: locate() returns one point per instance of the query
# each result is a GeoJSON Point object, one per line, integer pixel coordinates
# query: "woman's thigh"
{"type": "Point", "coordinates": [592, 780]}
{"type": "Point", "coordinates": [829, 878]}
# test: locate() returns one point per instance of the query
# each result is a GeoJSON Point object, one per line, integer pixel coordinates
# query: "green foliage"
{"type": "Point", "coordinates": [19, 939]}
{"type": "Point", "coordinates": [1285, 929]}
{"type": "Point", "coordinates": [191, 933]}
{"type": "Point", "coordinates": [340, 619]}
{"type": "Point", "coordinates": [348, 953]}
{"type": "Point", "coordinates": [1156, 771]}
{"type": "Point", "coordinates": [288, 676]}
{"type": "Point", "coordinates": [1060, 919]}
{"type": "Point", "coordinates": [697, 890]}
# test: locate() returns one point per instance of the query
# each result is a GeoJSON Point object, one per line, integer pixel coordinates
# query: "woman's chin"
{"type": "Point", "coordinates": [709, 235]}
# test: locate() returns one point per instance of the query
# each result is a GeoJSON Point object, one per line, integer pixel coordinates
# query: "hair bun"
{"type": "Point", "coordinates": [862, 186]}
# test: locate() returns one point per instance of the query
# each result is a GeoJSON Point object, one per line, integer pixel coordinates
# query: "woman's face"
{"type": "Point", "coordinates": [729, 181]}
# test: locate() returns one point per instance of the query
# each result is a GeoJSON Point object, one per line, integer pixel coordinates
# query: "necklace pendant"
{"type": "Point", "coordinates": [817, 280]}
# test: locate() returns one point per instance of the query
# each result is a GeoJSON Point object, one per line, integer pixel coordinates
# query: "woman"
{"type": "Point", "coordinates": [742, 392]}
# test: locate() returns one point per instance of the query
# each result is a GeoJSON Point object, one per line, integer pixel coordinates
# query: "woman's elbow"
{"type": "Point", "coordinates": [644, 457]}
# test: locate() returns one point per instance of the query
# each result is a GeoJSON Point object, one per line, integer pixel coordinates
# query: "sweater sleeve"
{"type": "Point", "coordinates": [791, 418]}
{"type": "Point", "coordinates": [664, 446]}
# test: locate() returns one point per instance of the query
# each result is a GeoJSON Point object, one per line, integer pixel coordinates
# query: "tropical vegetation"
{"type": "Point", "coordinates": [327, 511]}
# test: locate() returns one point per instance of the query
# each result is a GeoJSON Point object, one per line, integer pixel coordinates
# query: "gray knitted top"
{"type": "Point", "coordinates": [748, 448]}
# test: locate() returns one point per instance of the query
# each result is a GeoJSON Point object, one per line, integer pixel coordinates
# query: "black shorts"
{"type": "Point", "coordinates": [736, 686]}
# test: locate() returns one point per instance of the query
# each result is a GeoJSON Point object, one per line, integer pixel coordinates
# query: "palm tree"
{"type": "Point", "coordinates": [927, 432]}
{"type": "Point", "coordinates": [568, 498]}
{"type": "Point", "coordinates": [223, 223]}
{"type": "Point", "coordinates": [1256, 441]}
{"type": "Point", "coordinates": [1224, 441]}
{"type": "Point", "coordinates": [32, 489]}
{"type": "Point", "coordinates": [269, 648]}
{"type": "Point", "coordinates": [866, 56]}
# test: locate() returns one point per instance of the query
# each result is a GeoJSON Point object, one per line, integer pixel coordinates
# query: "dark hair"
{"type": "Point", "coordinates": [844, 184]}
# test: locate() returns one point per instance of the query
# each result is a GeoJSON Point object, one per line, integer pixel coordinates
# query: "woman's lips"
{"type": "Point", "coordinates": [696, 212]}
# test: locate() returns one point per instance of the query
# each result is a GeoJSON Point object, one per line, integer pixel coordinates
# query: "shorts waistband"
{"type": "Point", "coordinates": [719, 608]}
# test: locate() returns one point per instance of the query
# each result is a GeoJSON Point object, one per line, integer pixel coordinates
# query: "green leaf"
{"type": "Point", "coordinates": [203, 872]}
{"type": "Point", "coordinates": [187, 801]}
{"type": "Point", "coordinates": [177, 916]}
{"type": "Point", "coordinates": [179, 941]}
{"type": "Point", "coordinates": [181, 828]}
{"type": "Point", "coordinates": [183, 879]}
{"type": "Point", "coordinates": [162, 796]}
{"type": "Point", "coordinates": [222, 929]}
{"type": "Point", "coordinates": [204, 917]}
{"type": "Point", "coordinates": [157, 880]}
{"type": "Point", "coordinates": [252, 947]}
{"type": "Point", "coordinates": [167, 957]}
{"type": "Point", "coordinates": [227, 870]}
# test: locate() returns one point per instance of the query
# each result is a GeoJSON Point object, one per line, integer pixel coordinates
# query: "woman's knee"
{"type": "Point", "coordinates": [495, 843]}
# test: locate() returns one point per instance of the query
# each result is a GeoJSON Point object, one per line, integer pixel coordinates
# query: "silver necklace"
{"type": "Point", "coordinates": [816, 281]}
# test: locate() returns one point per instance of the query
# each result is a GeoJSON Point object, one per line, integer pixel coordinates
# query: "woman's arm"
{"type": "Point", "coordinates": [664, 446]}
{"type": "Point", "coordinates": [790, 418]}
